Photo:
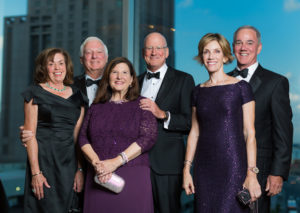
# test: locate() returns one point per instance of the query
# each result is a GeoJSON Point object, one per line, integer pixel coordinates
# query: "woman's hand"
{"type": "Point", "coordinates": [104, 178]}
{"type": "Point", "coordinates": [110, 165]}
{"type": "Point", "coordinates": [37, 183]}
{"type": "Point", "coordinates": [78, 181]}
{"type": "Point", "coordinates": [251, 183]}
{"type": "Point", "coordinates": [188, 184]}
{"type": "Point", "coordinates": [104, 169]}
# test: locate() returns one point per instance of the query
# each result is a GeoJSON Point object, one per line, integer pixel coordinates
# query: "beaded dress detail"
{"type": "Point", "coordinates": [220, 163]}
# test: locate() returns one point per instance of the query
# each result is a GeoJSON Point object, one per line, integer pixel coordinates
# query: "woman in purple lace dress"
{"type": "Point", "coordinates": [222, 138]}
{"type": "Point", "coordinates": [115, 137]}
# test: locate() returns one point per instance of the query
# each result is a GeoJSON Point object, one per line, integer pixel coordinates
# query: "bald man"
{"type": "Point", "coordinates": [168, 93]}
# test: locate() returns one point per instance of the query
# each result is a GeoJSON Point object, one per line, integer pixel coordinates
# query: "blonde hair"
{"type": "Point", "coordinates": [224, 44]}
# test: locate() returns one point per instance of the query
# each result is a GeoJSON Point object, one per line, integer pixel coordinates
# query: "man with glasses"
{"type": "Point", "coordinates": [273, 114]}
{"type": "Point", "coordinates": [168, 93]}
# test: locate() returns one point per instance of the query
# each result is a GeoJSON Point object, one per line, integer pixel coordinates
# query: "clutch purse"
{"type": "Point", "coordinates": [244, 196]}
{"type": "Point", "coordinates": [114, 184]}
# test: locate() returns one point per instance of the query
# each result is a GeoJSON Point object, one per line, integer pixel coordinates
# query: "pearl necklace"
{"type": "Point", "coordinates": [58, 90]}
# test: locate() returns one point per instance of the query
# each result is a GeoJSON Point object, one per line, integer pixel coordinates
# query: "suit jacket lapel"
{"type": "Point", "coordinates": [255, 80]}
{"type": "Point", "coordinates": [165, 86]}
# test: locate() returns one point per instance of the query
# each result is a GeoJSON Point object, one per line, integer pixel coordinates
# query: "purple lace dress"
{"type": "Point", "coordinates": [220, 164]}
{"type": "Point", "coordinates": [110, 128]}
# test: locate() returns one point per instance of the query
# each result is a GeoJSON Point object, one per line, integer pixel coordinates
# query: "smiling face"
{"type": "Point", "coordinates": [57, 68]}
{"type": "Point", "coordinates": [155, 51]}
{"type": "Point", "coordinates": [120, 78]}
{"type": "Point", "coordinates": [246, 47]}
{"type": "Point", "coordinates": [213, 57]}
{"type": "Point", "coordinates": [94, 57]}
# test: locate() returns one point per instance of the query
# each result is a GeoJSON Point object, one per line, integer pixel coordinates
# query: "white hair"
{"type": "Point", "coordinates": [92, 38]}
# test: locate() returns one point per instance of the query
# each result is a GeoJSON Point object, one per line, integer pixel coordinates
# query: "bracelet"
{"type": "Point", "coordinates": [124, 157]}
{"type": "Point", "coordinates": [80, 169]}
{"type": "Point", "coordinates": [40, 172]}
{"type": "Point", "coordinates": [187, 162]}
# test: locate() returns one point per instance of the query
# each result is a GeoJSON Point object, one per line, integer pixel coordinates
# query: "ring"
{"type": "Point", "coordinates": [33, 190]}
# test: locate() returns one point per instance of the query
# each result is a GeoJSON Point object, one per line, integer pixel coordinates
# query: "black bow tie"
{"type": "Point", "coordinates": [153, 75]}
{"type": "Point", "coordinates": [90, 82]}
{"type": "Point", "coordinates": [242, 73]}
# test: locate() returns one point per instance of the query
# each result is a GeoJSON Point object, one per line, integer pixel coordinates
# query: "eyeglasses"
{"type": "Point", "coordinates": [158, 48]}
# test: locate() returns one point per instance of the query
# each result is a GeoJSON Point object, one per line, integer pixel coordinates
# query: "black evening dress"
{"type": "Point", "coordinates": [220, 164]}
{"type": "Point", "coordinates": [57, 118]}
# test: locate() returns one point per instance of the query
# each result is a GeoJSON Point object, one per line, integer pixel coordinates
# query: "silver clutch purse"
{"type": "Point", "coordinates": [114, 184]}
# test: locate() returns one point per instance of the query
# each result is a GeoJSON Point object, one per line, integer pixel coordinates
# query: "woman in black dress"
{"type": "Point", "coordinates": [54, 113]}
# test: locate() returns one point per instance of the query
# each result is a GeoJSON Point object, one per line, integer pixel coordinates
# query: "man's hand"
{"type": "Point", "coordinates": [147, 104]}
{"type": "Point", "coordinates": [274, 185]}
{"type": "Point", "coordinates": [25, 135]}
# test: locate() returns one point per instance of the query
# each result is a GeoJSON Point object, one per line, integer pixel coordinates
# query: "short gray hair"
{"type": "Point", "coordinates": [92, 38]}
{"type": "Point", "coordinates": [258, 35]}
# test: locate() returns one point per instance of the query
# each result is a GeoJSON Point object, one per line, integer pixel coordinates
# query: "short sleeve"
{"type": "Point", "coordinates": [246, 92]}
{"type": "Point", "coordinates": [195, 95]}
{"type": "Point", "coordinates": [30, 93]}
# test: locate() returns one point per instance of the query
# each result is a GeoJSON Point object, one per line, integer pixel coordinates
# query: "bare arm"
{"type": "Point", "coordinates": [79, 177]}
{"type": "Point", "coordinates": [192, 141]}
{"type": "Point", "coordinates": [251, 182]}
{"type": "Point", "coordinates": [38, 179]}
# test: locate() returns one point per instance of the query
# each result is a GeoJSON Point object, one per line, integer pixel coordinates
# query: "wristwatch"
{"type": "Point", "coordinates": [254, 169]}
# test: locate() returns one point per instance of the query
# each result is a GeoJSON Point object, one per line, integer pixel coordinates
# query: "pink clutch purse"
{"type": "Point", "coordinates": [114, 184]}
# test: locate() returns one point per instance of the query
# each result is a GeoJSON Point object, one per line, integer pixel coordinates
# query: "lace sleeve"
{"type": "Point", "coordinates": [147, 131]}
{"type": "Point", "coordinates": [83, 134]}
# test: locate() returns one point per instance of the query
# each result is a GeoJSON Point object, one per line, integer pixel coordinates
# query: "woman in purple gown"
{"type": "Point", "coordinates": [222, 138]}
{"type": "Point", "coordinates": [115, 137]}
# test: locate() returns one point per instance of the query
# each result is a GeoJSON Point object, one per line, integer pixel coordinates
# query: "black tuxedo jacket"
{"type": "Point", "coordinates": [79, 82]}
{"type": "Point", "coordinates": [273, 123]}
{"type": "Point", "coordinates": [174, 95]}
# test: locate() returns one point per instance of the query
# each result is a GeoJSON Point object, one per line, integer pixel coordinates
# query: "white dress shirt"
{"type": "Point", "coordinates": [151, 87]}
{"type": "Point", "coordinates": [91, 90]}
{"type": "Point", "coordinates": [251, 70]}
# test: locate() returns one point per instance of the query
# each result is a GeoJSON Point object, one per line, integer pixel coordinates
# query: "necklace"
{"type": "Point", "coordinates": [117, 102]}
{"type": "Point", "coordinates": [58, 90]}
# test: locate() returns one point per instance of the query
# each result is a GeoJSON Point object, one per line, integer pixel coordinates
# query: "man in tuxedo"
{"type": "Point", "coordinates": [273, 114]}
{"type": "Point", "coordinates": [168, 93]}
{"type": "Point", "coordinates": [93, 57]}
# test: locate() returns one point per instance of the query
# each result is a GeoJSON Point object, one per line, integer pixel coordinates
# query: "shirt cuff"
{"type": "Point", "coordinates": [167, 122]}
